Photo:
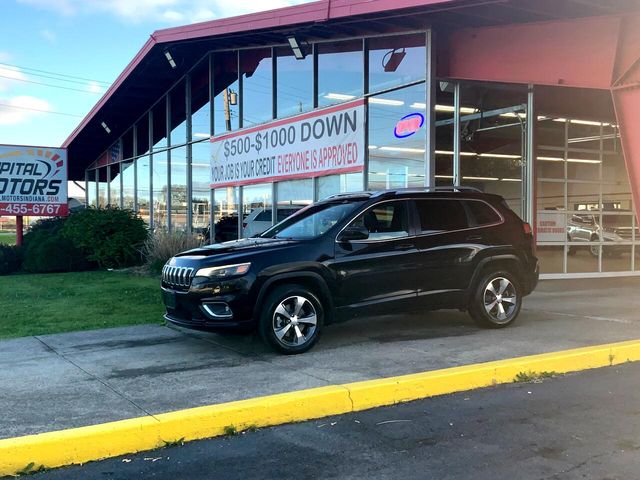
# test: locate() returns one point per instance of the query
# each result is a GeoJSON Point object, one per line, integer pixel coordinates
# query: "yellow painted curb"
{"type": "Point", "coordinates": [80, 445]}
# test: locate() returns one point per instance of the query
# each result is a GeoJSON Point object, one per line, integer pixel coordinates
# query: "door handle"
{"type": "Point", "coordinates": [474, 238]}
{"type": "Point", "coordinates": [403, 246]}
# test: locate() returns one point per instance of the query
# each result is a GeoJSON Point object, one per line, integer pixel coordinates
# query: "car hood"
{"type": "Point", "coordinates": [245, 245]}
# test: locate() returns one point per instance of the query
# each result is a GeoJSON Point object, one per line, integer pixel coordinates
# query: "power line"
{"type": "Point", "coordinates": [80, 82]}
{"type": "Point", "coordinates": [50, 85]}
{"type": "Point", "coordinates": [54, 73]}
{"type": "Point", "coordinates": [40, 110]}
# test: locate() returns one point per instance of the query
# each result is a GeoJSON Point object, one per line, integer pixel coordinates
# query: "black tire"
{"type": "Point", "coordinates": [285, 298]}
{"type": "Point", "coordinates": [482, 299]}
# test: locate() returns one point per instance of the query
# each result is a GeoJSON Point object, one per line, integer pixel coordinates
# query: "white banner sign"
{"type": "Point", "coordinates": [323, 142]}
{"type": "Point", "coordinates": [33, 181]}
{"type": "Point", "coordinates": [552, 226]}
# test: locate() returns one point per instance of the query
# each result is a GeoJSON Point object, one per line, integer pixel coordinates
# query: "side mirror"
{"type": "Point", "coordinates": [352, 233]}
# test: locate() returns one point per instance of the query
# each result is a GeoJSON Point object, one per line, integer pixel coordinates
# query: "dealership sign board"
{"type": "Point", "coordinates": [33, 181]}
{"type": "Point", "coordinates": [552, 226]}
{"type": "Point", "coordinates": [323, 142]}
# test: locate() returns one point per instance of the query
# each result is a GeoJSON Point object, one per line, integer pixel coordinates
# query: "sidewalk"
{"type": "Point", "coordinates": [68, 380]}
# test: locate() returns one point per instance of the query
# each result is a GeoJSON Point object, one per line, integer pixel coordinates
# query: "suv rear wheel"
{"type": "Point", "coordinates": [292, 320]}
{"type": "Point", "coordinates": [496, 301]}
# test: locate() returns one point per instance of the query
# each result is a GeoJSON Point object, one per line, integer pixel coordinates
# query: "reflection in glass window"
{"type": "Point", "coordinates": [395, 61]}
{"type": "Point", "coordinates": [294, 195]}
{"type": "Point", "coordinates": [102, 187]}
{"type": "Point", "coordinates": [314, 221]}
{"type": "Point", "coordinates": [91, 188]}
{"type": "Point", "coordinates": [491, 145]}
{"type": "Point", "coordinates": [225, 102]}
{"type": "Point", "coordinates": [340, 72]}
{"type": "Point", "coordinates": [143, 187]}
{"type": "Point", "coordinates": [200, 177]}
{"type": "Point", "coordinates": [127, 185]}
{"type": "Point", "coordinates": [385, 222]}
{"type": "Point", "coordinates": [225, 214]}
{"type": "Point", "coordinates": [159, 197]}
{"type": "Point", "coordinates": [294, 83]}
{"type": "Point", "coordinates": [179, 188]}
{"type": "Point", "coordinates": [341, 183]}
{"type": "Point", "coordinates": [444, 133]}
{"type": "Point", "coordinates": [178, 105]}
{"type": "Point", "coordinates": [256, 209]}
{"type": "Point", "coordinates": [114, 185]}
{"type": "Point", "coordinates": [257, 94]}
{"type": "Point", "coordinates": [200, 103]}
{"type": "Point", "coordinates": [397, 126]}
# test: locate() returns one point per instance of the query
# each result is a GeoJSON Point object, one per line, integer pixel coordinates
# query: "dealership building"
{"type": "Point", "coordinates": [239, 122]}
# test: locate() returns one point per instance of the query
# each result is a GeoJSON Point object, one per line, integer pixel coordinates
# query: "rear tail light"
{"type": "Point", "coordinates": [527, 228]}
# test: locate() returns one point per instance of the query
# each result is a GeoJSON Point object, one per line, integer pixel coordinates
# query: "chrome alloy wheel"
{"type": "Point", "coordinates": [500, 300]}
{"type": "Point", "coordinates": [294, 321]}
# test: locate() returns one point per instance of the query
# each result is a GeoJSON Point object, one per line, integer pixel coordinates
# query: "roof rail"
{"type": "Point", "coordinates": [444, 188]}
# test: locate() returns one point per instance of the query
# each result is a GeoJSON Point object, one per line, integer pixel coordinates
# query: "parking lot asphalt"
{"type": "Point", "coordinates": [585, 425]}
{"type": "Point", "coordinates": [68, 380]}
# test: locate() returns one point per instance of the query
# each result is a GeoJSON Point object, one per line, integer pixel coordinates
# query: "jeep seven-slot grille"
{"type": "Point", "coordinates": [177, 276]}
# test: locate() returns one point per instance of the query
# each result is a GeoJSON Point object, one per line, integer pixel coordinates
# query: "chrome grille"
{"type": "Point", "coordinates": [177, 276]}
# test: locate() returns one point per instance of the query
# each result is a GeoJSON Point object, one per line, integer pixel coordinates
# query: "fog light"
{"type": "Point", "coordinates": [217, 310]}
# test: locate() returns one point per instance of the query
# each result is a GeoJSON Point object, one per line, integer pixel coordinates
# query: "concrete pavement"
{"type": "Point", "coordinates": [62, 381]}
{"type": "Point", "coordinates": [585, 425]}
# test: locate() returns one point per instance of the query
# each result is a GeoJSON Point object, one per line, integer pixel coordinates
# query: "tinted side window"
{"type": "Point", "coordinates": [264, 216]}
{"type": "Point", "coordinates": [441, 215]}
{"type": "Point", "coordinates": [482, 213]}
{"type": "Point", "coordinates": [385, 221]}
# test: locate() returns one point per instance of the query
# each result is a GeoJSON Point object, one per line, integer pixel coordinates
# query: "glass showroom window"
{"type": "Point", "coordinates": [342, 183]}
{"type": "Point", "coordinates": [397, 125]}
{"type": "Point", "coordinates": [294, 82]}
{"type": "Point", "coordinates": [225, 85]}
{"type": "Point", "coordinates": [160, 165]}
{"type": "Point", "coordinates": [91, 188]}
{"type": "Point", "coordinates": [397, 60]}
{"type": "Point", "coordinates": [340, 72]}
{"type": "Point", "coordinates": [225, 214]}
{"type": "Point", "coordinates": [201, 150]}
{"type": "Point", "coordinates": [178, 157]}
{"type": "Point", "coordinates": [144, 197]}
{"type": "Point", "coordinates": [114, 185]}
{"type": "Point", "coordinates": [257, 90]}
{"type": "Point", "coordinates": [445, 132]}
{"type": "Point", "coordinates": [293, 195]}
{"type": "Point", "coordinates": [491, 156]}
{"type": "Point", "coordinates": [256, 209]}
{"type": "Point", "coordinates": [200, 102]}
{"type": "Point", "coordinates": [127, 184]}
{"type": "Point", "coordinates": [102, 186]}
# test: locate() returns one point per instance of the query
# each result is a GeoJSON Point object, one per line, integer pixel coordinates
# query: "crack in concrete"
{"type": "Point", "coordinates": [98, 379]}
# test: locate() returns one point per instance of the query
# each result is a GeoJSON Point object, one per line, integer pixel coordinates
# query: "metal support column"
{"type": "Point", "coordinates": [457, 179]}
{"type": "Point", "coordinates": [430, 101]}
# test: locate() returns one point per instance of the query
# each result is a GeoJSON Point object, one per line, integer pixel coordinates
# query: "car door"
{"type": "Point", "coordinates": [447, 245]}
{"type": "Point", "coordinates": [373, 273]}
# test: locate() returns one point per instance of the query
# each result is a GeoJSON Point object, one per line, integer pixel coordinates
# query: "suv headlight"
{"type": "Point", "coordinates": [224, 271]}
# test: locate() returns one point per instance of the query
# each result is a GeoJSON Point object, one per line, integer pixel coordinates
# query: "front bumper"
{"type": "Point", "coordinates": [202, 310]}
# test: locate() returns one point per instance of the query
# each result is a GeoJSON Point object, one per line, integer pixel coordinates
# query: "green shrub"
{"type": "Point", "coordinates": [10, 259]}
{"type": "Point", "coordinates": [162, 245]}
{"type": "Point", "coordinates": [111, 237]}
{"type": "Point", "coordinates": [46, 250]}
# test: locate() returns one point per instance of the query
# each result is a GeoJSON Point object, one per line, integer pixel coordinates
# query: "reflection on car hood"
{"type": "Point", "coordinates": [237, 246]}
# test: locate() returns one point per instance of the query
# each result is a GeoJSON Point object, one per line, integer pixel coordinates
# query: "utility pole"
{"type": "Point", "coordinates": [227, 109]}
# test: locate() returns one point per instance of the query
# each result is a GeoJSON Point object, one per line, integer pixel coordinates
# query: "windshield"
{"type": "Point", "coordinates": [312, 221]}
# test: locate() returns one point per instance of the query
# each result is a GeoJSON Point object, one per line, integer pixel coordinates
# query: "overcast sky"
{"type": "Point", "coordinates": [58, 56]}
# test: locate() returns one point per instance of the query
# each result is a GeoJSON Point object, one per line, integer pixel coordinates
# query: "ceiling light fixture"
{"type": "Point", "coordinates": [107, 129]}
{"type": "Point", "coordinates": [339, 96]}
{"type": "Point", "coordinates": [386, 101]}
{"type": "Point", "coordinates": [297, 47]}
{"type": "Point", "coordinates": [170, 59]}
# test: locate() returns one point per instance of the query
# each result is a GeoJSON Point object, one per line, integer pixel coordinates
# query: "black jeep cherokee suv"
{"type": "Point", "coordinates": [356, 254]}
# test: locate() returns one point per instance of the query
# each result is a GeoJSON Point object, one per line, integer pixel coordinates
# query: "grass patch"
{"type": "Point", "coordinates": [530, 376]}
{"type": "Point", "coordinates": [8, 238]}
{"type": "Point", "coordinates": [64, 302]}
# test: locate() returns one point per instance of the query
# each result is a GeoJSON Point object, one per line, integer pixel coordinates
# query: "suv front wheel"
{"type": "Point", "coordinates": [292, 320]}
{"type": "Point", "coordinates": [496, 301]}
